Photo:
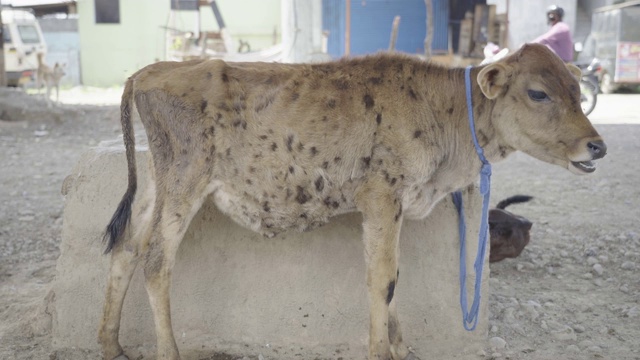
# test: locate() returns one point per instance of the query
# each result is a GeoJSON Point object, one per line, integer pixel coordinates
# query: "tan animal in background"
{"type": "Point", "coordinates": [49, 77]}
{"type": "Point", "coordinates": [289, 146]}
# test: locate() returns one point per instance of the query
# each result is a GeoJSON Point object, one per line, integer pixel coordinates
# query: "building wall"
{"type": "Point", "coordinates": [63, 47]}
{"type": "Point", "coordinates": [112, 52]}
{"type": "Point", "coordinates": [371, 23]}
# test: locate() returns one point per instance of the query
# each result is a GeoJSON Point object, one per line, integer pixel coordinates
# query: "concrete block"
{"type": "Point", "coordinates": [299, 295]}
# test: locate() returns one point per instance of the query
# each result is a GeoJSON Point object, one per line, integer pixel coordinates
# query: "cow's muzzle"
{"type": "Point", "coordinates": [597, 149]}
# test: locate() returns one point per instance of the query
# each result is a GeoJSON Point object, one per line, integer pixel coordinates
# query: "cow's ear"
{"type": "Point", "coordinates": [575, 71]}
{"type": "Point", "coordinates": [493, 78]}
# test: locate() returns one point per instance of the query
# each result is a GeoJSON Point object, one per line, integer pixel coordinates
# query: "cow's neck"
{"type": "Point", "coordinates": [488, 136]}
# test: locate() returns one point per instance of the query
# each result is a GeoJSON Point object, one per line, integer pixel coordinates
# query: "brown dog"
{"type": "Point", "coordinates": [509, 232]}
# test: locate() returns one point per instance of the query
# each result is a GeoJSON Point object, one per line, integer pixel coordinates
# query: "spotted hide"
{"type": "Point", "coordinates": [280, 146]}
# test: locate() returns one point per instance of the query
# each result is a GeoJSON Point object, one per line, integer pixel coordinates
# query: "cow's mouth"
{"type": "Point", "coordinates": [584, 166]}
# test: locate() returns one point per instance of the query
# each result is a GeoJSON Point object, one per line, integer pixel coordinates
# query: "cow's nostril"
{"type": "Point", "coordinates": [597, 149]}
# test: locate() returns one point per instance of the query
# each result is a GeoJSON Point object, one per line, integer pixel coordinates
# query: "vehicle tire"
{"type": "Point", "coordinates": [588, 95]}
{"type": "Point", "coordinates": [607, 86]}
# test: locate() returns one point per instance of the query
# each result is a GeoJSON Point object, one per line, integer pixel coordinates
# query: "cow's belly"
{"type": "Point", "coordinates": [273, 215]}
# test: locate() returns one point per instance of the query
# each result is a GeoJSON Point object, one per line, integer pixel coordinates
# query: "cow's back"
{"type": "Point", "coordinates": [285, 146]}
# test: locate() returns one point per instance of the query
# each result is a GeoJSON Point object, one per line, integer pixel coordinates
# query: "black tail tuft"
{"type": "Point", "coordinates": [119, 222]}
{"type": "Point", "coordinates": [122, 216]}
{"type": "Point", "coordinates": [516, 199]}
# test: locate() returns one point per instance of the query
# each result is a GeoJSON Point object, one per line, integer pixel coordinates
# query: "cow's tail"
{"type": "Point", "coordinates": [120, 219]}
{"type": "Point", "coordinates": [516, 199]}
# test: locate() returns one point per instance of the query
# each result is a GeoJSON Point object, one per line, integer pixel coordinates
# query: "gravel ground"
{"type": "Point", "coordinates": [574, 293]}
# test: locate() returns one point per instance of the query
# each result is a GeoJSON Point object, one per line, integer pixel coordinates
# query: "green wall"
{"type": "Point", "coordinates": [112, 52]}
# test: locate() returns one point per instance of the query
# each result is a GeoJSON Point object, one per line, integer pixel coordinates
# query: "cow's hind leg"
{"type": "Point", "coordinates": [124, 258]}
{"type": "Point", "coordinates": [123, 264]}
{"type": "Point", "coordinates": [172, 217]}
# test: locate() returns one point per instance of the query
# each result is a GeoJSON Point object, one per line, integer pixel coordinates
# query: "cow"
{"type": "Point", "coordinates": [289, 146]}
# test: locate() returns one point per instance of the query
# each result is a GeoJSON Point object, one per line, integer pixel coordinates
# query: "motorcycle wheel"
{"type": "Point", "coordinates": [588, 95]}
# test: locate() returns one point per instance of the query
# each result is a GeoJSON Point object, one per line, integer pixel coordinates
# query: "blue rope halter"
{"type": "Point", "coordinates": [470, 317]}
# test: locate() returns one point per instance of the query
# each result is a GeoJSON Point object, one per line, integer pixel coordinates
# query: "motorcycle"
{"type": "Point", "coordinates": [588, 81]}
{"type": "Point", "coordinates": [589, 87]}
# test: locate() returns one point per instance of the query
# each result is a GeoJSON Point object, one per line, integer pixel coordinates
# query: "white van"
{"type": "Point", "coordinates": [22, 42]}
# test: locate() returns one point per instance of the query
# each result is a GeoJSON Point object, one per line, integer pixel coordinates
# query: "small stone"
{"type": "Point", "coordinates": [573, 349]}
{"type": "Point", "coordinates": [591, 260]}
{"type": "Point", "coordinates": [566, 333]}
{"type": "Point", "coordinates": [497, 343]}
{"type": "Point", "coordinates": [594, 349]}
{"type": "Point", "coordinates": [518, 329]}
{"type": "Point", "coordinates": [549, 305]}
{"type": "Point", "coordinates": [598, 269]}
{"type": "Point", "coordinates": [531, 306]}
{"type": "Point", "coordinates": [592, 251]}
{"type": "Point", "coordinates": [532, 303]}
{"type": "Point", "coordinates": [508, 315]}
{"type": "Point", "coordinates": [628, 265]}
{"type": "Point", "coordinates": [585, 343]}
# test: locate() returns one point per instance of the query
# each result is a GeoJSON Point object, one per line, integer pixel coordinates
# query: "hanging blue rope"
{"type": "Point", "coordinates": [470, 316]}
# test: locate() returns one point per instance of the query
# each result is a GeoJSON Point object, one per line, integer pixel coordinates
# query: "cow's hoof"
{"type": "Point", "coordinates": [411, 356]}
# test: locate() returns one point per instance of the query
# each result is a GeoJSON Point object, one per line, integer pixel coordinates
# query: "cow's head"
{"type": "Point", "coordinates": [538, 111]}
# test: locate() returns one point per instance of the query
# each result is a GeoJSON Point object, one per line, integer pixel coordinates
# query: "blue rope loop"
{"type": "Point", "coordinates": [470, 316]}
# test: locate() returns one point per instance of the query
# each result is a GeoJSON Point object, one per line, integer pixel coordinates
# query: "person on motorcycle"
{"type": "Point", "coordinates": [558, 38]}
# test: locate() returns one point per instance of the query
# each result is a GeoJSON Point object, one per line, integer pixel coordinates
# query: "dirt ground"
{"type": "Point", "coordinates": [574, 293]}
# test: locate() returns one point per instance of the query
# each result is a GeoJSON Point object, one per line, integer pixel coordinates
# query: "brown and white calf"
{"type": "Point", "coordinates": [280, 147]}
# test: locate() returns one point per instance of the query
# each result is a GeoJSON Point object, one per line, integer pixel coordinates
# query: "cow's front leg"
{"type": "Point", "coordinates": [382, 218]}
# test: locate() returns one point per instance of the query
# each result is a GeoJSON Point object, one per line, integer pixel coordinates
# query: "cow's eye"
{"type": "Point", "coordinates": [538, 95]}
